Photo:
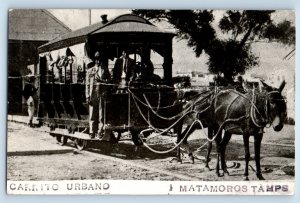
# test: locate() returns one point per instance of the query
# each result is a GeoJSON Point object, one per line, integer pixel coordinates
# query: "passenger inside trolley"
{"type": "Point", "coordinates": [124, 70]}
{"type": "Point", "coordinates": [145, 72]}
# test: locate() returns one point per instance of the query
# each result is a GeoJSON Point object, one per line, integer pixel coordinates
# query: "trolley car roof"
{"type": "Point", "coordinates": [127, 23]}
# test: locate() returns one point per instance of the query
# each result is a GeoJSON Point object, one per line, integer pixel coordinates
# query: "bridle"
{"type": "Point", "coordinates": [266, 119]}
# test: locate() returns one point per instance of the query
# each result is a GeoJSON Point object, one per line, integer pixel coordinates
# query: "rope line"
{"type": "Point", "coordinates": [151, 126]}
{"type": "Point", "coordinates": [164, 107]}
{"type": "Point", "coordinates": [159, 100]}
{"type": "Point", "coordinates": [232, 120]}
{"type": "Point", "coordinates": [162, 117]}
{"type": "Point", "coordinates": [169, 150]}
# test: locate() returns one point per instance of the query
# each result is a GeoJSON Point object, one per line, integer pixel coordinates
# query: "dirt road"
{"type": "Point", "coordinates": [124, 162]}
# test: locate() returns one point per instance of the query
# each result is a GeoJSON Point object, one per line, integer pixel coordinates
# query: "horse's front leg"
{"type": "Point", "coordinates": [218, 147]}
{"type": "Point", "coordinates": [247, 155]}
{"type": "Point", "coordinates": [207, 160]}
{"type": "Point", "coordinates": [257, 144]}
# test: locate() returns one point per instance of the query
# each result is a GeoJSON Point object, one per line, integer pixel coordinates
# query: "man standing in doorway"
{"type": "Point", "coordinates": [28, 93]}
{"type": "Point", "coordinates": [95, 90]}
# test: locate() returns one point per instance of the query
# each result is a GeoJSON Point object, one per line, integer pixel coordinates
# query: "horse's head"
{"type": "Point", "coordinates": [275, 106]}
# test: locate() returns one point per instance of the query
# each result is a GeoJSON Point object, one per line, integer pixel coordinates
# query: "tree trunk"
{"type": "Point", "coordinates": [245, 38]}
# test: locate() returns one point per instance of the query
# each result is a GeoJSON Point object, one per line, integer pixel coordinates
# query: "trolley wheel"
{"type": "Point", "coordinates": [119, 136]}
{"type": "Point", "coordinates": [136, 138]}
{"type": "Point", "coordinates": [63, 140]}
{"type": "Point", "coordinates": [81, 144]}
{"type": "Point", "coordinates": [58, 138]}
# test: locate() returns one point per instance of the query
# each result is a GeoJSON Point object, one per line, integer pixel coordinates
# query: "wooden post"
{"type": "Point", "coordinates": [168, 61]}
{"type": "Point", "coordinates": [90, 16]}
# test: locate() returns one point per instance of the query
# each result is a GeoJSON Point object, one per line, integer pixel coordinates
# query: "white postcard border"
{"type": "Point", "coordinates": [142, 187]}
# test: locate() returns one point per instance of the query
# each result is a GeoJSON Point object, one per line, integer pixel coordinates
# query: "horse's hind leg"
{"type": "Point", "coordinates": [257, 144]}
{"type": "Point", "coordinates": [178, 152]}
{"type": "Point", "coordinates": [209, 147]}
{"type": "Point", "coordinates": [247, 155]}
{"type": "Point", "coordinates": [178, 129]}
{"type": "Point", "coordinates": [223, 144]}
{"type": "Point", "coordinates": [190, 153]}
{"type": "Point", "coordinates": [178, 157]}
{"type": "Point", "coordinates": [185, 135]}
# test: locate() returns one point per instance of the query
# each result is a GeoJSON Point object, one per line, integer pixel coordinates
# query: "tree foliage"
{"type": "Point", "coordinates": [230, 58]}
{"type": "Point", "coordinates": [230, 55]}
{"type": "Point", "coordinates": [284, 33]}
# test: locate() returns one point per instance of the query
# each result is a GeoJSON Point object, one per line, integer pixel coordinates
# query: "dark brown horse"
{"type": "Point", "coordinates": [242, 114]}
{"type": "Point", "coordinates": [247, 114]}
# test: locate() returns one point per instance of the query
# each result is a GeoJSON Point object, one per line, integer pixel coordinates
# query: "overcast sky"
{"type": "Point", "coordinates": [77, 18]}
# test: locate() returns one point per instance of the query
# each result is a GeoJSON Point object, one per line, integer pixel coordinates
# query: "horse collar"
{"type": "Point", "coordinates": [263, 120]}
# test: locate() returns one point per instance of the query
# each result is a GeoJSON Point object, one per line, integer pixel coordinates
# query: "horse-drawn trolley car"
{"type": "Point", "coordinates": [148, 102]}
{"type": "Point", "coordinates": [62, 101]}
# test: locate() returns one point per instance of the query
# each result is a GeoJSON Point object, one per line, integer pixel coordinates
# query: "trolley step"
{"type": "Point", "coordinates": [81, 140]}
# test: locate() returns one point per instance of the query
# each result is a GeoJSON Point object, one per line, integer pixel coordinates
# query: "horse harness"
{"type": "Point", "coordinates": [259, 120]}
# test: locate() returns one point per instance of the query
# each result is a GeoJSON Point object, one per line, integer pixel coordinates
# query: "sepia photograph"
{"type": "Point", "coordinates": [184, 102]}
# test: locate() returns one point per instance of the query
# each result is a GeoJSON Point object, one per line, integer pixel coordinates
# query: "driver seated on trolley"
{"type": "Point", "coordinates": [145, 72]}
{"type": "Point", "coordinates": [95, 90]}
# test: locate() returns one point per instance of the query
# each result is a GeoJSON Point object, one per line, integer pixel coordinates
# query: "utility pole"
{"type": "Point", "coordinates": [90, 16]}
